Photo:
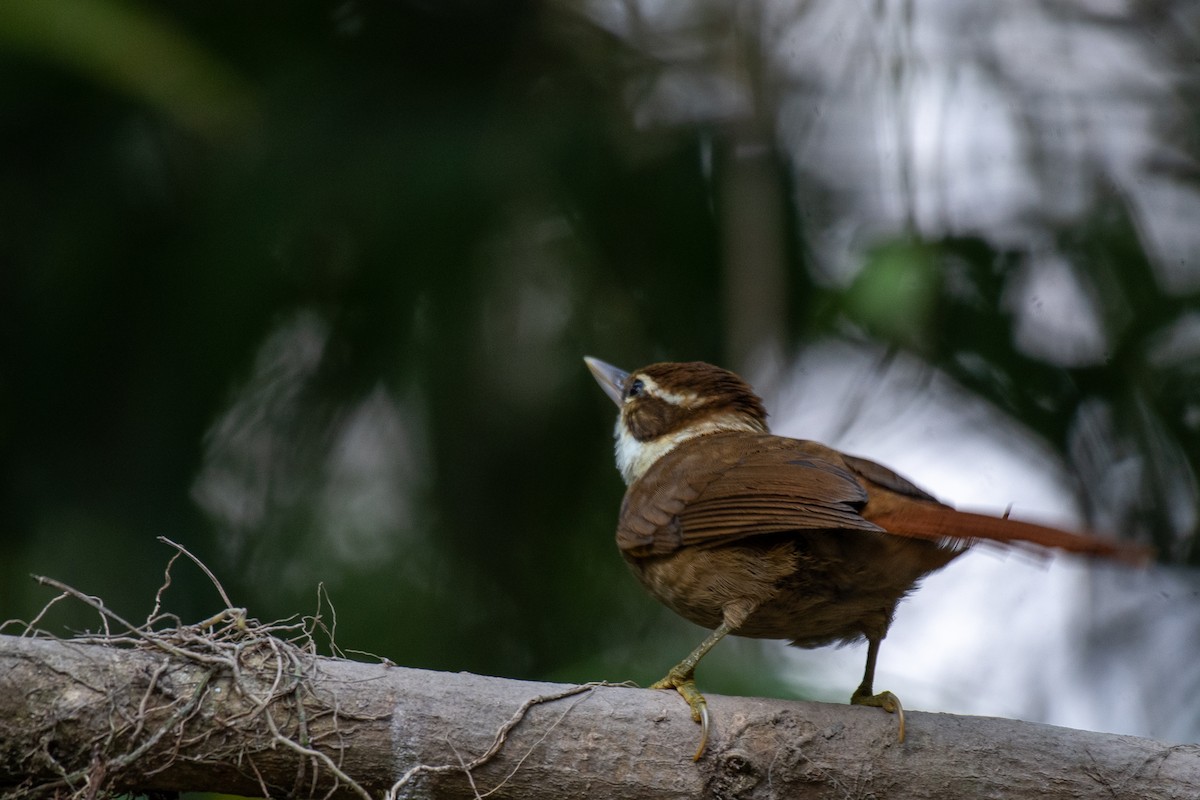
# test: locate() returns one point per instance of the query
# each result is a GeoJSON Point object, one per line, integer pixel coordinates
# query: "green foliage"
{"type": "Point", "coordinates": [163, 68]}
{"type": "Point", "coordinates": [896, 293]}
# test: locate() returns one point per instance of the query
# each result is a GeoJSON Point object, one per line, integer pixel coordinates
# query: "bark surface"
{"type": "Point", "coordinates": [75, 717]}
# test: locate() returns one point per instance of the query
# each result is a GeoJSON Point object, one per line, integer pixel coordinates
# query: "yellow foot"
{"type": "Point", "coordinates": [685, 684]}
{"type": "Point", "coordinates": [885, 700]}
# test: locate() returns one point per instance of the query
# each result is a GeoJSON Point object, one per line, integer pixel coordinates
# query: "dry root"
{"type": "Point", "coordinates": [243, 677]}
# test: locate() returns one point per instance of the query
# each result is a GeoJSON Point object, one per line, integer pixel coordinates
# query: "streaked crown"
{"type": "Point", "coordinates": [662, 399]}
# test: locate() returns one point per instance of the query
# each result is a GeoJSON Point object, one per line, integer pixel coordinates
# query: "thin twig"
{"type": "Point", "coordinates": [141, 713]}
{"type": "Point", "coordinates": [158, 595]}
{"type": "Point", "coordinates": [497, 743]}
{"type": "Point", "coordinates": [31, 627]}
{"type": "Point", "coordinates": [529, 751]}
{"type": "Point", "coordinates": [318, 755]}
{"type": "Point", "coordinates": [203, 568]}
{"type": "Point", "coordinates": [107, 613]}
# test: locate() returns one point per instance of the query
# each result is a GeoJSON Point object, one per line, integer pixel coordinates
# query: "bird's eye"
{"type": "Point", "coordinates": [635, 389]}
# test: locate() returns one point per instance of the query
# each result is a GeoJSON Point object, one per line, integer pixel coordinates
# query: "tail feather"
{"type": "Point", "coordinates": [943, 524]}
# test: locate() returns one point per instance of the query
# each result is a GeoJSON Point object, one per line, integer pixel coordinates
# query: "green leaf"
{"type": "Point", "coordinates": [126, 48]}
{"type": "Point", "coordinates": [895, 294]}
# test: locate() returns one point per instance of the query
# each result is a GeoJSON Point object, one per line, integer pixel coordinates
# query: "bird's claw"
{"type": "Point", "coordinates": [885, 700]}
{"type": "Point", "coordinates": [685, 684]}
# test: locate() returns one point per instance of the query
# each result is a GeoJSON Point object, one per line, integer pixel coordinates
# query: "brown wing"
{"type": "Point", "coordinates": [881, 475]}
{"type": "Point", "coordinates": [729, 486]}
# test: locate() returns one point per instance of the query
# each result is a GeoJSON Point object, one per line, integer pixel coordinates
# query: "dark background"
{"type": "Point", "coordinates": [306, 288]}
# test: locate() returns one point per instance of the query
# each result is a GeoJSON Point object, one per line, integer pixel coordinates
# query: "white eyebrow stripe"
{"type": "Point", "coordinates": [681, 399]}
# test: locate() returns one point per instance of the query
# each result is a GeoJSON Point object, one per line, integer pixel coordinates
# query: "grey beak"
{"type": "Point", "coordinates": [611, 379]}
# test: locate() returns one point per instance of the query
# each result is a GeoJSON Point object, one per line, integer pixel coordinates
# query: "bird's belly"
{"type": "Point", "coordinates": [699, 584]}
{"type": "Point", "coordinates": [813, 588]}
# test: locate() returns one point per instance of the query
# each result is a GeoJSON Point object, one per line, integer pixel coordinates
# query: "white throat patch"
{"type": "Point", "coordinates": [634, 457]}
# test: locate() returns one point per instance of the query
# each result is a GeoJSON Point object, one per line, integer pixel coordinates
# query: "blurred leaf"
{"type": "Point", "coordinates": [895, 295]}
{"type": "Point", "coordinates": [127, 48]}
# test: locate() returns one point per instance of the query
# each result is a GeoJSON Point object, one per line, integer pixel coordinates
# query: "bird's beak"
{"type": "Point", "coordinates": [611, 379]}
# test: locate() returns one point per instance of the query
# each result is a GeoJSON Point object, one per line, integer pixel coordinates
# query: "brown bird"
{"type": "Point", "coordinates": [758, 535]}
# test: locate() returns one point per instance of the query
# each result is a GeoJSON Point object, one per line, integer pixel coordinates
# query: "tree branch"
{"type": "Point", "coordinates": [84, 716]}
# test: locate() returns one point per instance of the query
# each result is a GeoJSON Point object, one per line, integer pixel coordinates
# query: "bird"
{"type": "Point", "coordinates": [752, 534]}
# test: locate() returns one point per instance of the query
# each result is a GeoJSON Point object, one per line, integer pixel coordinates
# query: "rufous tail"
{"type": "Point", "coordinates": [943, 524]}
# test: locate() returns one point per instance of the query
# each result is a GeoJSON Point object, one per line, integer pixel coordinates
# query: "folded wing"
{"type": "Point", "coordinates": [724, 487]}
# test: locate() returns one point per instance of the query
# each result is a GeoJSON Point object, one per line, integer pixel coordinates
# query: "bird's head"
{"type": "Point", "coordinates": [665, 404]}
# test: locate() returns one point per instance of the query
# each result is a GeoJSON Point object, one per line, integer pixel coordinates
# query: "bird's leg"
{"type": "Point", "coordinates": [682, 679]}
{"type": "Point", "coordinates": [886, 700]}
